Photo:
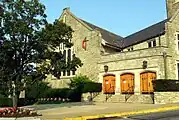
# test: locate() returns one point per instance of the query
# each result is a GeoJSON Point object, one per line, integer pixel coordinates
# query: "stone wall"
{"type": "Point", "coordinates": [160, 41]}
{"type": "Point", "coordinates": [131, 62]}
{"type": "Point", "coordinates": [166, 97]}
{"type": "Point", "coordinates": [89, 57]}
{"type": "Point", "coordinates": [172, 28]}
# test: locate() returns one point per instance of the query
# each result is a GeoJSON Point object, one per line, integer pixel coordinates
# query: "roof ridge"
{"type": "Point", "coordinates": [101, 28]}
{"type": "Point", "coordinates": [147, 33]}
{"type": "Point", "coordinates": [147, 28]}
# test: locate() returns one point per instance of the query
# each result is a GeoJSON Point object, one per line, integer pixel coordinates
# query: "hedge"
{"type": "Point", "coordinates": [166, 85]}
{"type": "Point", "coordinates": [53, 93]}
{"type": "Point", "coordinates": [92, 87]}
{"type": "Point", "coordinates": [73, 94]}
{"type": "Point", "coordinates": [5, 101]}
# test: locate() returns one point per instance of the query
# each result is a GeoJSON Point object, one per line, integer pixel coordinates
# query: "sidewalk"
{"type": "Point", "coordinates": [77, 110]}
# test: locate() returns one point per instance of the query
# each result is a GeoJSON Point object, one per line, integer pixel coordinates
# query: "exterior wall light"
{"type": "Point", "coordinates": [144, 65]}
{"type": "Point", "coordinates": [106, 68]}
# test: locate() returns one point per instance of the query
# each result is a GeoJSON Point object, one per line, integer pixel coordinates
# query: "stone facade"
{"type": "Point", "coordinates": [166, 97]}
{"type": "Point", "coordinates": [131, 62]}
{"type": "Point", "coordinates": [89, 57]}
{"type": "Point", "coordinates": [161, 58]}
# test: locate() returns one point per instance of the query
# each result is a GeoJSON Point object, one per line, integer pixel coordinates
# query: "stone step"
{"type": "Point", "coordinates": [117, 98]}
{"type": "Point", "coordinates": [100, 98]}
{"type": "Point", "coordinates": [142, 98]}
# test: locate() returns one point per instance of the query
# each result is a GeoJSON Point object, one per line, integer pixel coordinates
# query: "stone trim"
{"type": "Point", "coordinates": [129, 69]}
{"type": "Point", "coordinates": [68, 11]}
{"type": "Point", "coordinates": [131, 59]}
{"type": "Point", "coordinates": [174, 16]}
{"type": "Point", "coordinates": [135, 50]}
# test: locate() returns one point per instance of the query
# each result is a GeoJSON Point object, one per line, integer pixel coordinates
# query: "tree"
{"type": "Point", "coordinates": [29, 44]}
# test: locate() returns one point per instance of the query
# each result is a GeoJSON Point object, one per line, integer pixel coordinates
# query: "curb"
{"type": "Point", "coordinates": [162, 109]}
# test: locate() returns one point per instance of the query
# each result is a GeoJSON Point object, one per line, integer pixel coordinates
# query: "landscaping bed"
{"type": "Point", "coordinates": [10, 112]}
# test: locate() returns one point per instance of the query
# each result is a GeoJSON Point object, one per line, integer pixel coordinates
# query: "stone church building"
{"type": "Point", "coordinates": [124, 64]}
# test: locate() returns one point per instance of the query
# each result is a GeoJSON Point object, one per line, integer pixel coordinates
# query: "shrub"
{"type": "Point", "coordinates": [164, 85]}
{"type": "Point", "coordinates": [82, 84]}
{"type": "Point", "coordinates": [78, 82]}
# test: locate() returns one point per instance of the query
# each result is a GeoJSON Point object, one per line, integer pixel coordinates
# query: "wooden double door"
{"type": "Point", "coordinates": [109, 84]}
{"type": "Point", "coordinates": [146, 79]}
{"type": "Point", "coordinates": [127, 83]}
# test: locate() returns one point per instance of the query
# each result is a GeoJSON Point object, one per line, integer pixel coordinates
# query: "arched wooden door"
{"type": "Point", "coordinates": [127, 83]}
{"type": "Point", "coordinates": [109, 84]}
{"type": "Point", "coordinates": [146, 79]}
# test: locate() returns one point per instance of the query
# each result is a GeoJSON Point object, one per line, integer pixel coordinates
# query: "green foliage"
{"type": "Point", "coordinates": [78, 85]}
{"type": "Point", "coordinates": [92, 87]}
{"type": "Point", "coordinates": [5, 101]}
{"type": "Point", "coordinates": [165, 85]}
{"type": "Point", "coordinates": [28, 45]}
{"type": "Point", "coordinates": [53, 35]}
{"type": "Point", "coordinates": [78, 81]}
{"type": "Point", "coordinates": [84, 84]}
{"type": "Point", "coordinates": [56, 93]}
{"type": "Point", "coordinates": [62, 93]}
{"type": "Point", "coordinates": [36, 90]}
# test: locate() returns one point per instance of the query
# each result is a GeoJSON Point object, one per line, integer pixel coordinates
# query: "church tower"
{"type": "Point", "coordinates": [172, 7]}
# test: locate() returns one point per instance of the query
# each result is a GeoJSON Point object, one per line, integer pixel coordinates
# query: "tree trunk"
{"type": "Point", "coordinates": [14, 100]}
{"type": "Point", "coordinates": [14, 96]}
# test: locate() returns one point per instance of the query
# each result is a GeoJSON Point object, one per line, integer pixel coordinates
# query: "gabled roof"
{"type": "Point", "coordinates": [135, 38]}
{"type": "Point", "coordinates": [145, 34]}
{"type": "Point", "coordinates": [119, 42]}
{"type": "Point", "coordinates": [109, 37]}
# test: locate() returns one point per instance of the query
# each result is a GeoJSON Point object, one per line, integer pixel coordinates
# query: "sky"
{"type": "Point", "coordinates": [122, 17]}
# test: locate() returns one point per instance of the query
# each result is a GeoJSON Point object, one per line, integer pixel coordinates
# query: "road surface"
{"type": "Point", "coordinates": [169, 115]}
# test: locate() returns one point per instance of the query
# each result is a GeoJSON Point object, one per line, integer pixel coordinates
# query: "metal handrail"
{"type": "Point", "coordinates": [129, 89]}
{"type": "Point", "coordinates": [107, 97]}
{"type": "Point", "coordinates": [128, 93]}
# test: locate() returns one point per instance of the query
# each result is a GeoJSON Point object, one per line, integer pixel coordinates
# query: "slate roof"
{"type": "Point", "coordinates": [109, 37]}
{"type": "Point", "coordinates": [143, 35]}
{"type": "Point", "coordinates": [135, 38]}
